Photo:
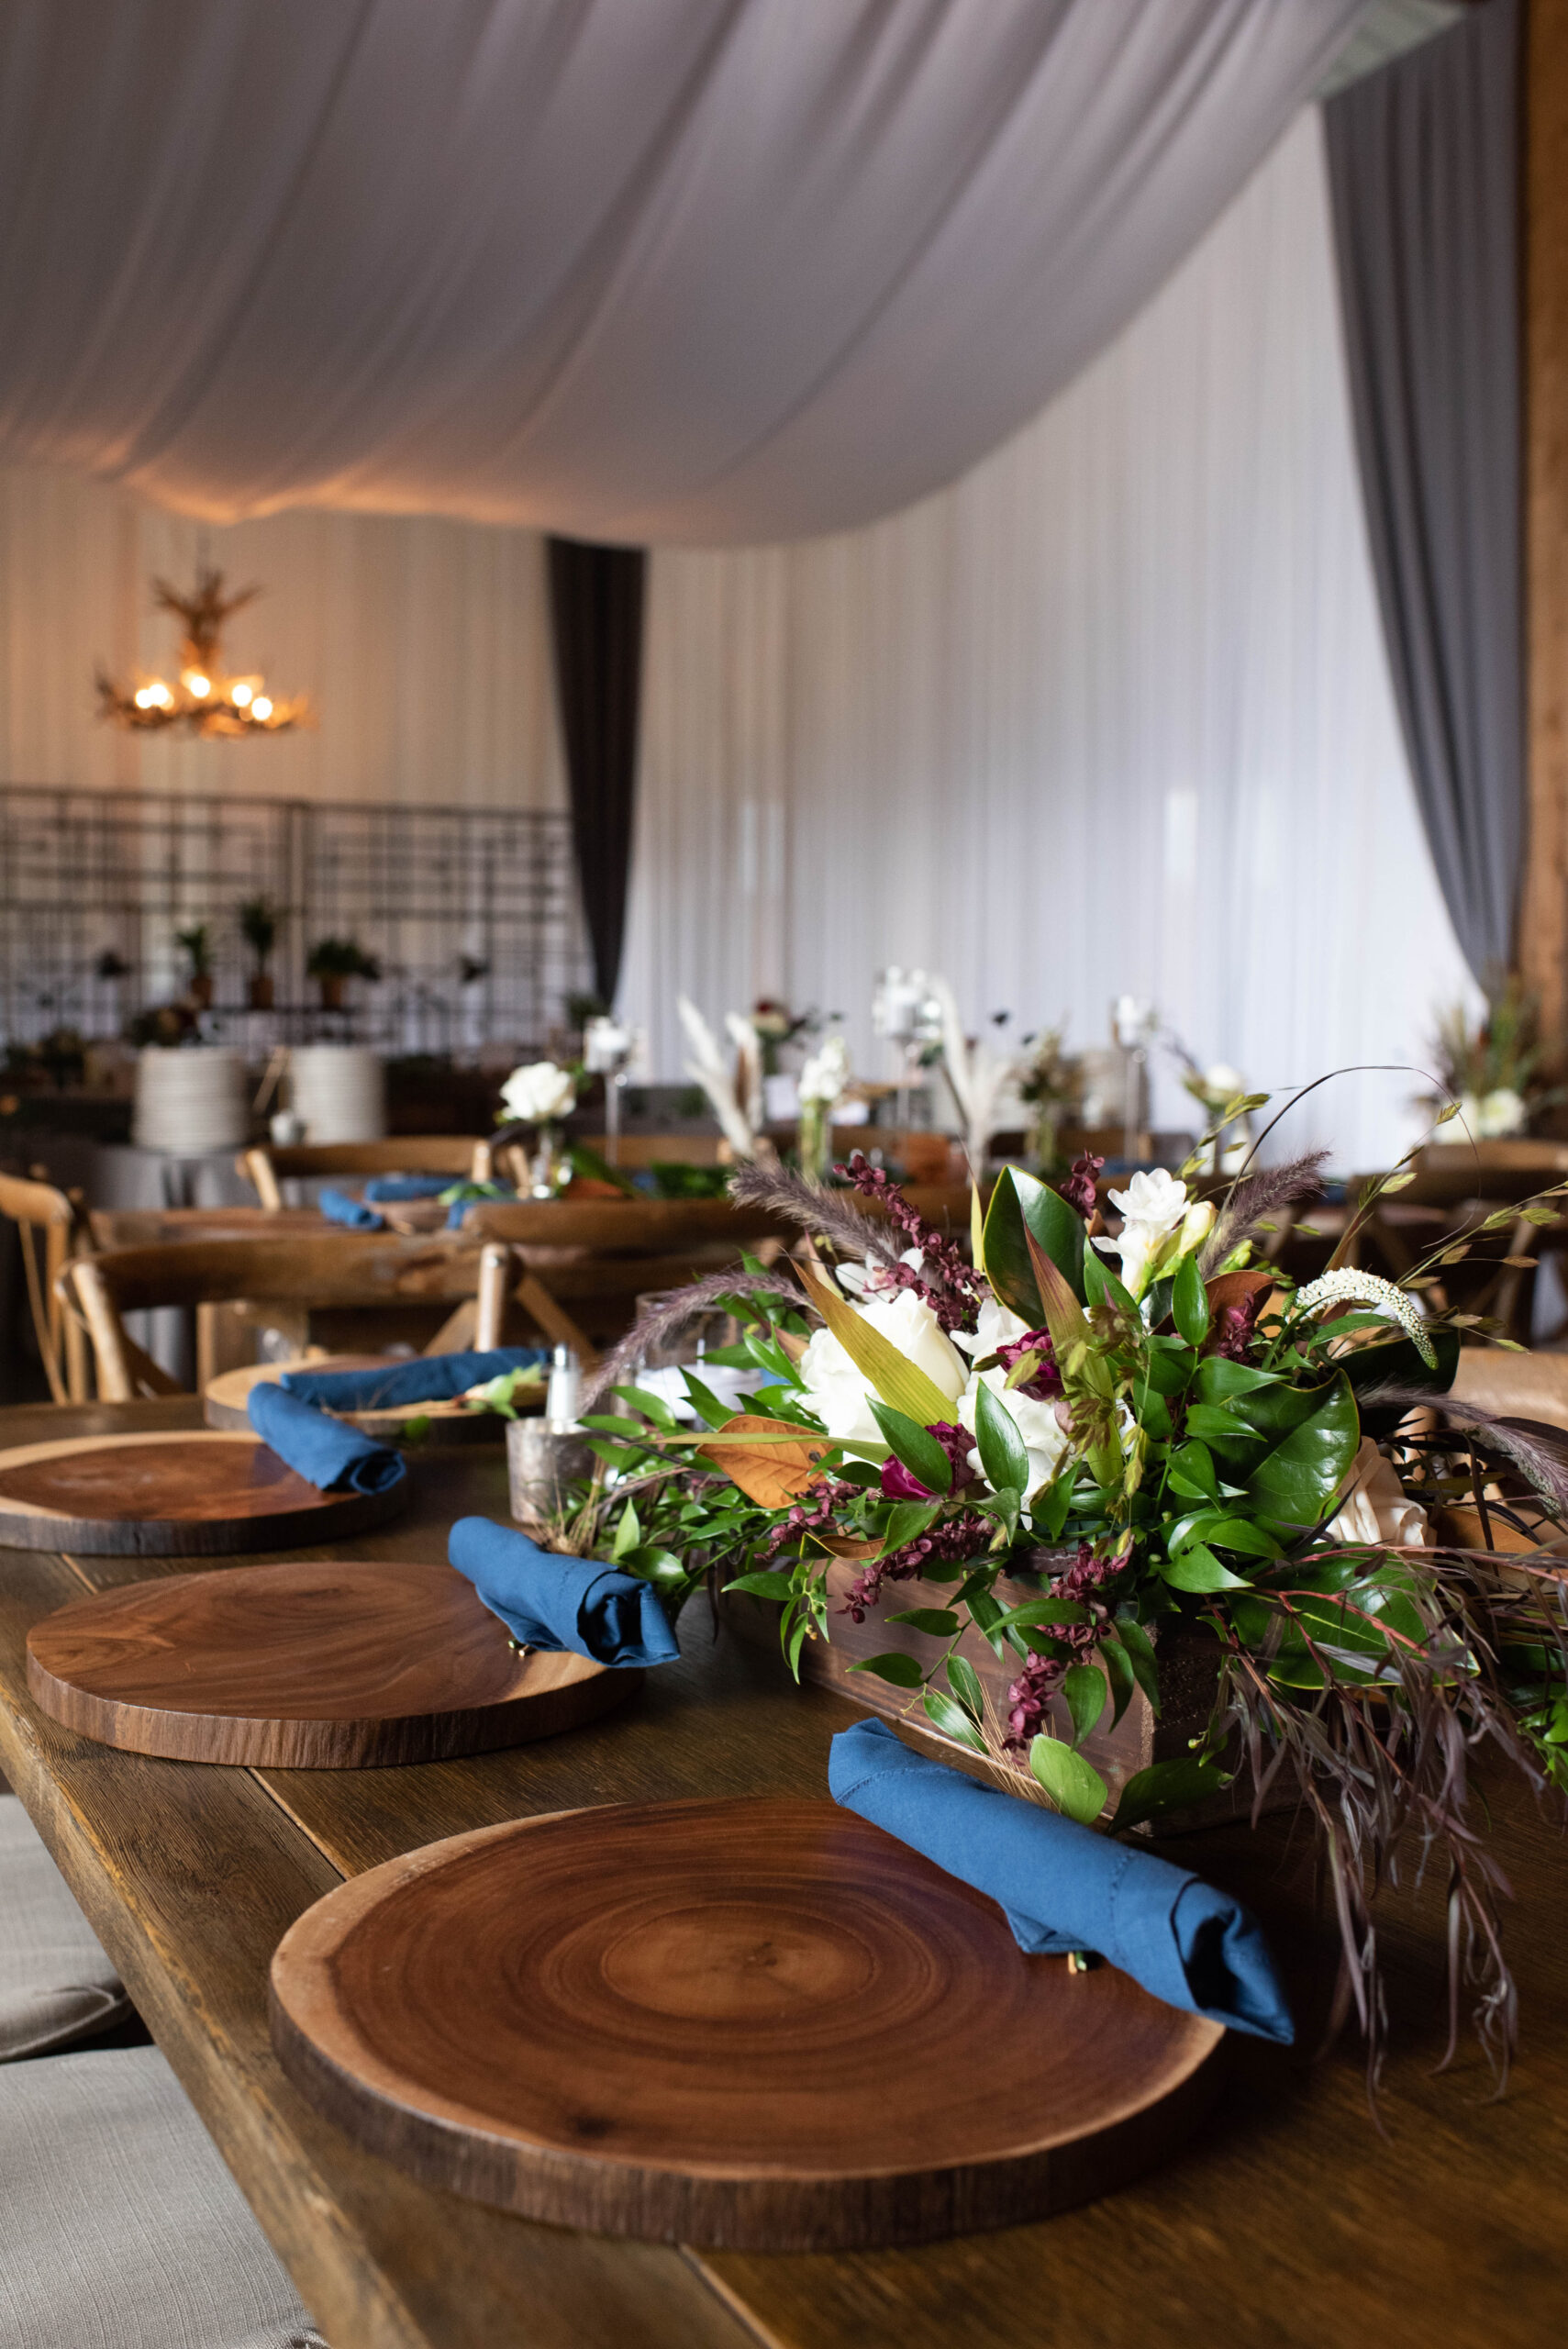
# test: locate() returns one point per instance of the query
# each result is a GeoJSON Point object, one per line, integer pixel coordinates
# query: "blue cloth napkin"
{"type": "Point", "coordinates": [338, 1208]}
{"type": "Point", "coordinates": [326, 1452]}
{"type": "Point", "coordinates": [1063, 1886]}
{"type": "Point", "coordinates": [384, 1187]}
{"type": "Point", "coordinates": [546, 1602]}
{"type": "Point", "coordinates": [429, 1378]}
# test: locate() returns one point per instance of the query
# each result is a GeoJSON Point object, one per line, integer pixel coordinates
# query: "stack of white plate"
{"type": "Point", "coordinates": [339, 1092]}
{"type": "Point", "coordinates": [191, 1099]}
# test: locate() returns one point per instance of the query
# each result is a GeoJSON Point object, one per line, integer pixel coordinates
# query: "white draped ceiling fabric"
{"type": "Point", "coordinates": [1112, 713]}
{"type": "Point", "coordinates": [667, 271]}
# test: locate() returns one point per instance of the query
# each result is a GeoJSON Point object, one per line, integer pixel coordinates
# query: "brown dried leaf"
{"type": "Point", "coordinates": [772, 1474]}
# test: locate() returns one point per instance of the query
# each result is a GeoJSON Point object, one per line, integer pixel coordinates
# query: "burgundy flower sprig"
{"type": "Point", "coordinates": [950, 1286]}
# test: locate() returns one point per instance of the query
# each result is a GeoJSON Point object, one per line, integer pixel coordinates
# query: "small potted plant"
{"type": "Point", "coordinates": [333, 962]}
{"type": "Point", "coordinates": [259, 928]}
{"type": "Point", "coordinates": [196, 945]}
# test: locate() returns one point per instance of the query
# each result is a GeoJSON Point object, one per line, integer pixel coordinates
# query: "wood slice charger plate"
{"type": "Point", "coordinates": [203, 1494]}
{"type": "Point", "coordinates": [311, 1665]}
{"type": "Point", "coordinates": [225, 1401]}
{"type": "Point", "coordinates": [760, 2024]}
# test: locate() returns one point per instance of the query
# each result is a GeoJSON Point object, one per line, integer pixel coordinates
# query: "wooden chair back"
{"type": "Point", "coordinates": [661, 1150]}
{"type": "Point", "coordinates": [51, 1229]}
{"type": "Point", "coordinates": [463, 1157]}
{"type": "Point", "coordinates": [330, 1270]}
{"type": "Point", "coordinates": [623, 1227]}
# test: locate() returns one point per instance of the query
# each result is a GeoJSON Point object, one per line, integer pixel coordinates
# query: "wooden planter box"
{"type": "Point", "coordinates": [1188, 1678]}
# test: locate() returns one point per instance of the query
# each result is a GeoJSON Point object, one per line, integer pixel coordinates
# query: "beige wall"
{"type": "Point", "coordinates": [423, 644]}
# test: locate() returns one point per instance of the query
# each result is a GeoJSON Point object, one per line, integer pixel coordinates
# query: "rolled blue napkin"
{"type": "Point", "coordinates": [1063, 1886]}
{"type": "Point", "coordinates": [338, 1208]}
{"type": "Point", "coordinates": [545, 1601]}
{"type": "Point", "coordinates": [427, 1378]}
{"type": "Point", "coordinates": [381, 1188]}
{"type": "Point", "coordinates": [326, 1452]}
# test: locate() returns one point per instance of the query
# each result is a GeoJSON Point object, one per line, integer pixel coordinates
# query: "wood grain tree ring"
{"type": "Point", "coordinates": [311, 1665]}
{"type": "Point", "coordinates": [203, 1494]}
{"type": "Point", "coordinates": [225, 1401]}
{"type": "Point", "coordinates": [763, 2024]}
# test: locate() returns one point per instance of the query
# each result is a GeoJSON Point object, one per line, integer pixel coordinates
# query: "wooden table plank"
{"type": "Point", "coordinates": [190, 1876]}
{"type": "Point", "coordinates": [1290, 2221]}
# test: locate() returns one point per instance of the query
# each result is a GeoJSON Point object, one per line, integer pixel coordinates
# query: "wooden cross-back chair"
{"type": "Point", "coordinates": [588, 1260]}
{"type": "Point", "coordinates": [279, 1281]}
{"type": "Point", "coordinates": [51, 1229]}
{"type": "Point", "coordinates": [462, 1157]}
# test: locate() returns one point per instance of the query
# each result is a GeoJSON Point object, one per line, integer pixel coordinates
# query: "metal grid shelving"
{"type": "Point", "coordinates": [87, 876]}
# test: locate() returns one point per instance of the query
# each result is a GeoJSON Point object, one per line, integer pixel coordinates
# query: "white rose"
{"type": "Point", "coordinates": [538, 1093]}
{"type": "Point", "coordinates": [839, 1393]}
{"type": "Point", "coordinates": [1044, 1438]}
{"type": "Point", "coordinates": [827, 1072]}
{"type": "Point", "coordinates": [1222, 1083]}
{"type": "Point", "coordinates": [1375, 1507]}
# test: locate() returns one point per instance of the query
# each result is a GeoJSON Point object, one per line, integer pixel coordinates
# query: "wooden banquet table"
{"type": "Point", "coordinates": [1288, 2220]}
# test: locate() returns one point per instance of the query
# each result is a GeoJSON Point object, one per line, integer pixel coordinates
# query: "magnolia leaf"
{"type": "Point", "coordinates": [1075, 1785]}
{"type": "Point", "coordinates": [1298, 1480]}
{"type": "Point", "coordinates": [896, 1379]}
{"type": "Point", "coordinates": [1197, 1569]}
{"type": "Point", "coordinates": [1005, 1251]}
{"type": "Point", "coordinates": [772, 1474]}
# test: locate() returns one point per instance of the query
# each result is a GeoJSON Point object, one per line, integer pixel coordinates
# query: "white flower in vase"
{"type": "Point", "coordinates": [538, 1093]}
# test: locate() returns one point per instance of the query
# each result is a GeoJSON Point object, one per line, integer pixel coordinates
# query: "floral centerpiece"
{"type": "Point", "coordinates": [1491, 1068]}
{"type": "Point", "coordinates": [1102, 1449]}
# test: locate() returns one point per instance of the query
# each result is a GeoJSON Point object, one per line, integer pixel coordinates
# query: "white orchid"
{"type": "Point", "coordinates": [538, 1093]}
{"type": "Point", "coordinates": [1160, 1224]}
{"type": "Point", "coordinates": [839, 1394]}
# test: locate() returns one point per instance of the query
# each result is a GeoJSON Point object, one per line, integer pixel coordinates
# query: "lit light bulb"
{"type": "Point", "coordinates": [195, 683]}
{"type": "Point", "coordinates": [240, 695]}
{"type": "Point", "coordinates": [145, 697]}
{"type": "Point", "coordinates": [158, 695]}
{"type": "Point", "coordinates": [261, 706]}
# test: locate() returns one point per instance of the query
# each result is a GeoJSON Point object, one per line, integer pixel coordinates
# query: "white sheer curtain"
{"type": "Point", "coordinates": [1112, 713]}
{"type": "Point", "coordinates": [675, 270]}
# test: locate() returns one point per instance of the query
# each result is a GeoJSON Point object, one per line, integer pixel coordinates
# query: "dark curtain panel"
{"type": "Point", "coordinates": [1423, 165]}
{"type": "Point", "coordinates": [596, 606]}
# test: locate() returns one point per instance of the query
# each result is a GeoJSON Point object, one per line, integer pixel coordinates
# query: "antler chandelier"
{"type": "Point", "coordinates": [203, 699]}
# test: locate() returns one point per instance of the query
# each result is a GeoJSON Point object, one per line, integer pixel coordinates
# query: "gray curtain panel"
{"type": "Point", "coordinates": [1424, 165]}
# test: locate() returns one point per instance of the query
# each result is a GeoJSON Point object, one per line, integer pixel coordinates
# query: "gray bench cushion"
{"type": "Point", "coordinates": [56, 1983]}
{"type": "Point", "coordinates": [120, 2226]}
